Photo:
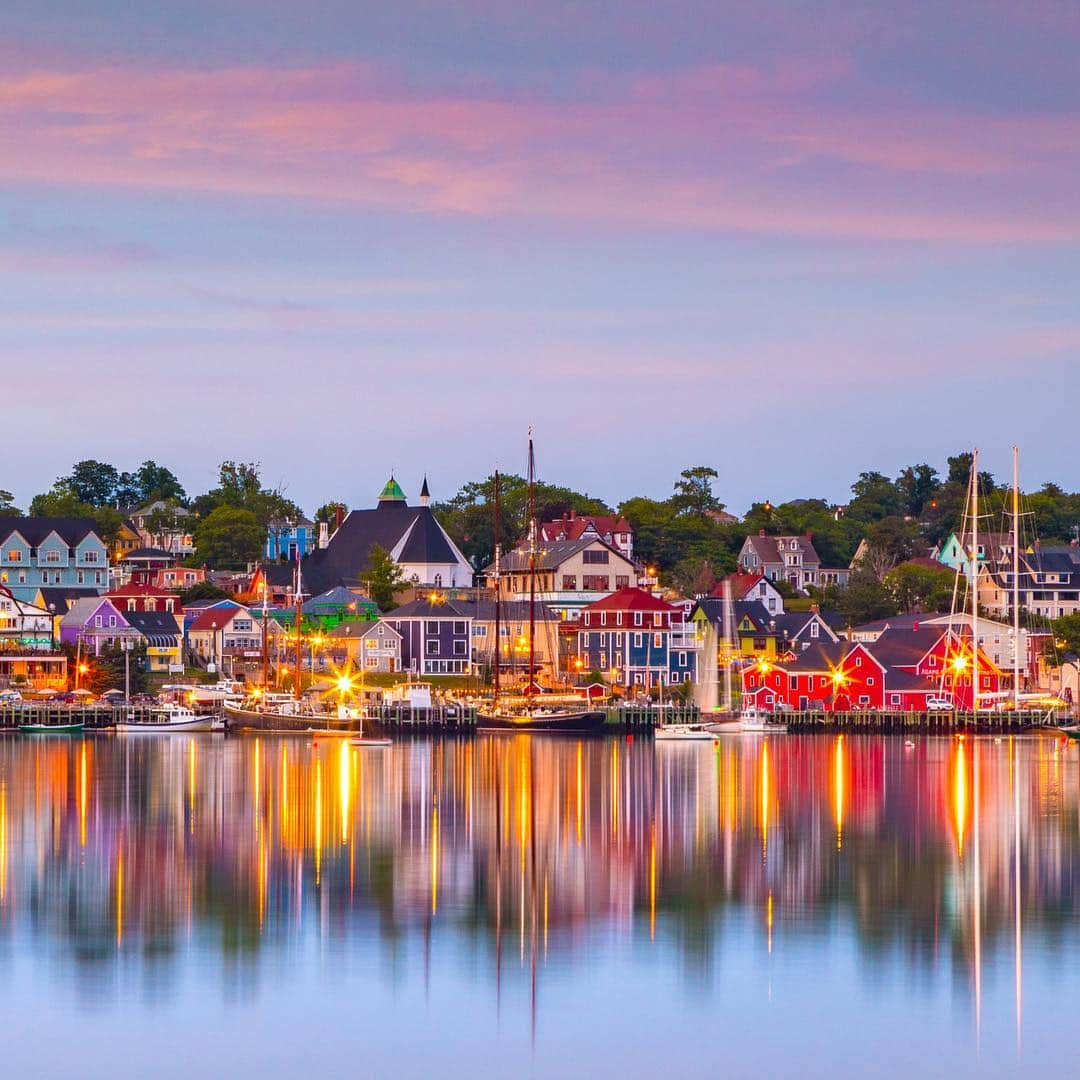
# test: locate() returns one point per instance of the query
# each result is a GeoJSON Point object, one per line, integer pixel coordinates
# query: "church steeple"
{"type": "Point", "coordinates": [392, 495]}
{"type": "Point", "coordinates": [425, 495]}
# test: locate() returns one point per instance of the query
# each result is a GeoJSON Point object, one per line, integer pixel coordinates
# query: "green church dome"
{"type": "Point", "coordinates": [392, 492]}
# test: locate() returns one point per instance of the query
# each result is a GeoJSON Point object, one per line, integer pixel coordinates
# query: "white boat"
{"type": "Point", "coordinates": [759, 721]}
{"type": "Point", "coordinates": [171, 718]}
{"type": "Point", "coordinates": [683, 733]}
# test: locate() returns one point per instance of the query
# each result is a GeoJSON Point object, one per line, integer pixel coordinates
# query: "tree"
{"type": "Point", "coordinates": [7, 504]}
{"type": "Point", "coordinates": [328, 511]}
{"type": "Point", "coordinates": [865, 599]}
{"type": "Point", "coordinates": [61, 500]}
{"type": "Point", "coordinates": [888, 542]}
{"type": "Point", "coordinates": [155, 482]}
{"type": "Point", "coordinates": [239, 487]}
{"type": "Point", "coordinates": [921, 588]}
{"type": "Point", "coordinates": [693, 492]}
{"type": "Point", "coordinates": [874, 497]}
{"type": "Point", "coordinates": [916, 485]}
{"type": "Point", "coordinates": [106, 671]}
{"type": "Point", "coordinates": [693, 577]}
{"type": "Point", "coordinates": [94, 482]}
{"type": "Point", "coordinates": [383, 577]}
{"type": "Point", "coordinates": [228, 538]}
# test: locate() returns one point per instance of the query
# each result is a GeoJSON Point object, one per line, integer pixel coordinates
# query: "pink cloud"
{"type": "Point", "coordinates": [759, 148]}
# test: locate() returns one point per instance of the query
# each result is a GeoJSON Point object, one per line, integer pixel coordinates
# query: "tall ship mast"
{"type": "Point", "coordinates": [531, 714]}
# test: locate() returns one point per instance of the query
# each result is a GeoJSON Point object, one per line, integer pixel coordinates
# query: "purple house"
{"type": "Point", "coordinates": [435, 636]}
{"type": "Point", "coordinates": [96, 621]}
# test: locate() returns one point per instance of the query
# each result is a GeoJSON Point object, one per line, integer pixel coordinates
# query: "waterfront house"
{"type": "Point", "coordinates": [613, 529]}
{"type": "Point", "coordinates": [51, 552]}
{"type": "Point", "coordinates": [380, 648]}
{"type": "Point", "coordinates": [1048, 582]}
{"type": "Point", "coordinates": [436, 637]}
{"type": "Point", "coordinates": [789, 558]}
{"type": "Point", "coordinates": [227, 636]}
{"type": "Point", "coordinates": [162, 635]}
{"type": "Point", "coordinates": [23, 623]}
{"type": "Point", "coordinates": [418, 544]}
{"type": "Point", "coordinates": [570, 574]}
{"type": "Point", "coordinates": [95, 623]}
{"type": "Point", "coordinates": [638, 639]}
{"type": "Point", "coordinates": [901, 670]}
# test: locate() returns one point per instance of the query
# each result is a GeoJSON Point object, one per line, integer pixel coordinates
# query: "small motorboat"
{"type": "Point", "coordinates": [170, 718]}
{"type": "Point", "coordinates": [365, 741]}
{"type": "Point", "coordinates": [684, 733]}
{"type": "Point", "coordinates": [74, 728]}
{"type": "Point", "coordinates": [759, 722]}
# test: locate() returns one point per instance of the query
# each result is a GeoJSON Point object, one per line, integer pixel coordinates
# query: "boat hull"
{"type": "Point", "coordinates": [585, 722]}
{"type": "Point", "coordinates": [52, 729]}
{"type": "Point", "coordinates": [241, 719]}
{"type": "Point", "coordinates": [684, 733]}
{"type": "Point", "coordinates": [197, 723]}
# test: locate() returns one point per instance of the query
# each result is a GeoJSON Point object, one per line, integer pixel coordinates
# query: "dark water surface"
{"type": "Point", "coordinates": [200, 906]}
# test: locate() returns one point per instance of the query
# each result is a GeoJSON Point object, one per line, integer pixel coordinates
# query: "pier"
{"type": "Point", "coordinates": [926, 723]}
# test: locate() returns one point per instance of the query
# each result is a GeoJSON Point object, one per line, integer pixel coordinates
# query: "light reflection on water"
{"type": "Point", "coordinates": [559, 906]}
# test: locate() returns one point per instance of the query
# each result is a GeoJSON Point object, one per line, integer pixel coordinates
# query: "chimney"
{"type": "Point", "coordinates": [324, 533]}
{"type": "Point", "coordinates": [339, 517]}
{"type": "Point", "coordinates": [815, 609]}
{"type": "Point", "coordinates": [573, 515]}
{"type": "Point", "coordinates": [761, 532]}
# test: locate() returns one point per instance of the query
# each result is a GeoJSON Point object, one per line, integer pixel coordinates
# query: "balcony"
{"type": "Point", "coordinates": [685, 640]}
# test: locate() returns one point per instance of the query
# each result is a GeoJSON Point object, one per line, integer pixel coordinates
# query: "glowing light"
{"type": "Point", "coordinates": [344, 684]}
{"type": "Point", "coordinates": [83, 669]}
{"type": "Point", "coordinates": [764, 667]}
{"type": "Point", "coordinates": [82, 796]}
{"type": "Point", "coordinates": [960, 795]}
{"type": "Point", "coordinates": [838, 678]}
{"type": "Point", "coordinates": [959, 663]}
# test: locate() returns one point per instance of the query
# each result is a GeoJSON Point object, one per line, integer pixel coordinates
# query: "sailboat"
{"type": "Point", "coordinates": [528, 715]}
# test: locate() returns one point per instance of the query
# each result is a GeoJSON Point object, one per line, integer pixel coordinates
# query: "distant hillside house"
{"type": "Point", "coordinates": [178, 540]}
{"type": "Point", "coordinates": [613, 529]}
{"type": "Point", "coordinates": [286, 539]}
{"type": "Point", "coordinates": [412, 535]}
{"type": "Point", "coordinates": [791, 559]}
{"type": "Point", "coordinates": [51, 552]}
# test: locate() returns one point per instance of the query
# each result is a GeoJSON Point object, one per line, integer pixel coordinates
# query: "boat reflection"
{"type": "Point", "coordinates": [522, 846]}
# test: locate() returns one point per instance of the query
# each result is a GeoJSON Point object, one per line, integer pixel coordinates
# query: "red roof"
{"type": "Point", "coordinates": [741, 584]}
{"type": "Point", "coordinates": [571, 526]}
{"type": "Point", "coordinates": [631, 598]}
{"type": "Point", "coordinates": [139, 589]}
{"type": "Point", "coordinates": [215, 618]}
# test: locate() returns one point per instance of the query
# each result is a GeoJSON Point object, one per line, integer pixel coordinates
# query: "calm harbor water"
{"type": "Point", "coordinates": [209, 906]}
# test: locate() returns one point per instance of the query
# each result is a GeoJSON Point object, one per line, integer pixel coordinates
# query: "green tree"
{"type": "Point", "coordinates": [240, 487]}
{"type": "Point", "coordinates": [865, 599]}
{"type": "Point", "coordinates": [106, 671]}
{"type": "Point", "coordinates": [328, 511]}
{"type": "Point", "coordinates": [383, 577]}
{"type": "Point", "coordinates": [7, 504]}
{"type": "Point", "coordinates": [693, 491]}
{"type": "Point", "coordinates": [94, 482]}
{"type": "Point", "coordinates": [61, 500]}
{"type": "Point", "coordinates": [874, 497]}
{"type": "Point", "coordinates": [917, 485]}
{"type": "Point", "coordinates": [228, 538]}
{"type": "Point", "coordinates": [889, 541]}
{"type": "Point", "coordinates": [921, 588]}
{"type": "Point", "coordinates": [154, 481]}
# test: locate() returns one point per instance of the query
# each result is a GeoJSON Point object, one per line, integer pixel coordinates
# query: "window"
{"type": "Point", "coordinates": [97, 620]}
{"type": "Point", "coordinates": [131, 605]}
{"type": "Point", "coordinates": [459, 628]}
{"type": "Point", "coordinates": [864, 699]}
{"type": "Point", "coordinates": [594, 558]}
{"type": "Point", "coordinates": [639, 640]}
{"type": "Point", "coordinates": [682, 659]}
{"type": "Point", "coordinates": [372, 662]}
{"type": "Point", "coordinates": [603, 659]}
{"type": "Point", "coordinates": [622, 581]}
{"type": "Point", "coordinates": [814, 629]}
{"type": "Point", "coordinates": [658, 641]}
{"type": "Point", "coordinates": [870, 680]}
{"type": "Point", "coordinates": [52, 556]}
{"type": "Point", "coordinates": [461, 648]}
{"type": "Point", "coordinates": [90, 556]}
{"type": "Point", "coordinates": [595, 582]}
{"type": "Point", "coordinates": [431, 626]}
{"type": "Point", "coordinates": [569, 582]}
{"type": "Point", "coordinates": [432, 648]}
{"type": "Point", "coordinates": [80, 578]}
{"type": "Point", "coordinates": [112, 620]}
{"type": "Point", "coordinates": [657, 619]}
{"type": "Point", "coordinates": [638, 618]}
{"type": "Point", "coordinates": [14, 555]}
{"type": "Point", "coordinates": [858, 661]}
{"type": "Point", "coordinates": [894, 699]}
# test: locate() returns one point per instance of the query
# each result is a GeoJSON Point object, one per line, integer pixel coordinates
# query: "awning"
{"type": "Point", "coordinates": [161, 641]}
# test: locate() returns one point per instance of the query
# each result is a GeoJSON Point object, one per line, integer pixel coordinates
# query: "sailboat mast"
{"type": "Point", "coordinates": [728, 638]}
{"type": "Point", "coordinates": [265, 632]}
{"type": "Point", "coordinates": [498, 587]}
{"type": "Point", "coordinates": [1016, 576]}
{"type": "Point", "coordinates": [299, 616]}
{"type": "Point", "coordinates": [532, 571]}
{"type": "Point", "coordinates": [975, 581]}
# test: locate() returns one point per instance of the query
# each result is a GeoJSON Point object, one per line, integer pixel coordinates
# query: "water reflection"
{"type": "Point", "coordinates": [945, 852]}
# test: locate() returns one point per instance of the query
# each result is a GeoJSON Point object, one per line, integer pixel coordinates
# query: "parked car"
{"type": "Point", "coordinates": [939, 704]}
{"type": "Point", "coordinates": [10, 697]}
{"type": "Point", "coordinates": [66, 697]}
